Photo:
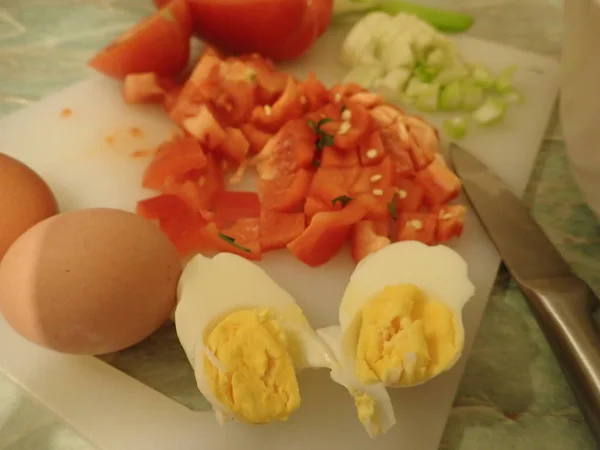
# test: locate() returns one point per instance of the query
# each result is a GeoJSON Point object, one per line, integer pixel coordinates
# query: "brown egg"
{"type": "Point", "coordinates": [25, 199]}
{"type": "Point", "coordinates": [92, 281]}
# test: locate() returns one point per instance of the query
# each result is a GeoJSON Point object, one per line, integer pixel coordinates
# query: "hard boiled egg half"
{"type": "Point", "coordinates": [401, 314]}
{"type": "Point", "coordinates": [246, 338]}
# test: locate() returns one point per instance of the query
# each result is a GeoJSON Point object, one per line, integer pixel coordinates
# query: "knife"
{"type": "Point", "coordinates": [563, 304]}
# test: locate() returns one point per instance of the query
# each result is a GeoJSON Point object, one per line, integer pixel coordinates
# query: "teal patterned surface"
{"type": "Point", "coordinates": [513, 395]}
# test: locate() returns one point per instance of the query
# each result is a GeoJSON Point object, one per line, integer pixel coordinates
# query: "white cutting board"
{"type": "Point", "coordinates": [116, 412]}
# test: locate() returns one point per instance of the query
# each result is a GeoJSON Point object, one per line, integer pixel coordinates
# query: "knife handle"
{"type": "Point", "coordinates": [565, 308]}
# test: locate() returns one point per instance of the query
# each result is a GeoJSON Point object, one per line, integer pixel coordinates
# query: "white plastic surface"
{"type": "Point", "coordinates": [116, 412]}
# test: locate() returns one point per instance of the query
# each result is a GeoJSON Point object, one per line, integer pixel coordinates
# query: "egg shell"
{"type": "Point", "coordinates": [437, 270]}
{"type": "Point", "coordinates": [211, 288]}
{"type": "Point", "coordinates": [25, 199]}
{"type": "Point", "coordinates": [91, 281]}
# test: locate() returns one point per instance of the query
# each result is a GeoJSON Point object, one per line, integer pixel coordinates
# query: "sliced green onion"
{"type": "Point", "coordinates": [428, 98]}
{"type": "Point", "coordinates": [473, 96]}
{"type": "Point", "coordinates": [394, 82]}
{"type": "Point", "coordinates": [451, 96]}
{"type": "Point", "coordinates": [482, 76]}
{"type": "Point", "coordinates": [452, 73]}
{"type": "Point", "coordinates": [437, 58]}
{"type": "Point", "coordinates": [491, 111]}
{"type": "Point", "coordinates": [424, 73]}
{"type": "Point", "coordinates": [513, 97]}
{"type": "Point", "coordinates": [504, 81]}
{"type": "Point", "coordinates": [456, 127]}
{"type": "Point", "coordinates": [415, 87]}
{"type": "Point", "coordinates": [365, 76]}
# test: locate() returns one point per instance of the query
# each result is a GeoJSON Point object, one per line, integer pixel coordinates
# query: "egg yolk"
{"type": "Point", "coordinates": [404, 337]}
{"type": "Point", "coordinates": [255, 376]}
{"type": "Point", "coordinates": [365, 407]}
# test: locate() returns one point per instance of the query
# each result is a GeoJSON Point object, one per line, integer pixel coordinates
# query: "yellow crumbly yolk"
{"type": "Point", "coordinates": [365, 406]}
{"type": "Point", "coordinates": [259, 379]}
{"type": "Point", "coordinates": [404, 337]}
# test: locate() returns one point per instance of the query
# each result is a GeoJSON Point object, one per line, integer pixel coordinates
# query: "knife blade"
{"type": "Point", "coordinates": [563, 304]}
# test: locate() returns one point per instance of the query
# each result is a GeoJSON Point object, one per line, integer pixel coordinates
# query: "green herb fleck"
{"type": "Point", "coordinates": [231, 240]}
{"type": "Point", "coordinates": [342, 199]}
{"type": "Point", "coordinates": [316, 163]}
{"type": "Point", "coordinates": [393, 206]}
{"type": "Point", "coordinates": [323, 139]}
{"type": "Point", "coordinates": [344, 108]}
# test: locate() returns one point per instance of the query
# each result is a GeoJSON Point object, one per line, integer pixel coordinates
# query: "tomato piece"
{"type": "Point", "coordinates": [256, 137]}
{"type": "Point", "coordinates": [180, 10]}
{"type": "Point", "coordinates": [314, 92]}
{"type": "Point", "coordinates": [326, 234]}
{"type": "Point", "coordinates": [323, 10]}
{"type": "Point", "coordinates": [161, 207]}
{"type": "Point", "coordinates": [285, 108]}
{"type": "Point", "coordinates": [416, 226]}
{"type": "Point", "coordinates": [376, 182]}
{"type": "Point", "coordinates": [451, 220]}
{"type": "Point", "coordinates": [367, 100]}
{"type": "Point", "coordinates": [235, 147]}
{"type": "Point", "coordinates": [142, 88]}
{"type": "Point", "coordinates": [397, 147]}
{"type": "Point", "coordinates": [285, 193]}
{"type": "Point", "coordinates": [331, 111]}
{"type": "Point", "coordinates": [174, 159]}
{"type": "Point", "coordinates": [171, 95]}
{"type": "Point", "coordinates": [292, 148]}
{"type": "Point", "coordinates": [439, 183]}
{"type": "Point", "coordinates": [233, 205]}
{"type": "Point", "coordinates": [331, 183]}
{"type": "Point", "coordinates": [424, 140]}
{"type": "Point", "coordinates": [315, 205]}
{"type": "Point", "coordinates": [262, 26]}
{"type": "Point", "coordinates": [278, 229]}
{"type": "Point", "coordinates": [384, 115]}
{"type": "Point", "coordinates": [270, 82]}
{"type": "Point", "coordinates": [188, 233]}
{"type": "Point", "coordinates": [409, 195]}
{"type": "Point", "coordinates": [242, 238]}
{"type": "Point", "coordinates": [357, 118]}
{"type": "Point", "coordinates": [158, 44]}
{"type": "Point", "coordinates": [368, 237]}
{"type": "Point", "coordinates": [336, 158]}
{"type": "Point", "coordinates": [339, 93]}
{"type": "Point", "coordinates": [205, 127]}
{"type": "Point", "coordinates": [372, 151]}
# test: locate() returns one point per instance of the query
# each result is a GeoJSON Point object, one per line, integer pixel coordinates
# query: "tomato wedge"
{"type": "Point", "coordinates": [279, 229]}
{"type": "Point", "coordinates": [159, 44]}
{"type": "Point", "coordinates": [327, 233]}
{"type": "Point", "coordinates": [285, 193]}
{"type": "Point", "coordinates": [230, 206]}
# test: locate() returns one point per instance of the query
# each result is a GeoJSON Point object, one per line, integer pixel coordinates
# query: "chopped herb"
{"type": "Point", "coordinates": [393, 206]}
{"type": "Point", "coordinates": [323, 139]}
{"type": "Point", "coordinates": [316, 163]}
{"type": "Point", "coordinates": [232, 242]}
{"type": "Point", "coordinates": [342, 199]}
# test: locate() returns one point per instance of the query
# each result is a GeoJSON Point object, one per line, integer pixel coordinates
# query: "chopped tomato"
{"type": "Point", "coordinates": [188, 233]}
{"type": "Point", "coordinates": [143, 88]}
{"type": "Point", "coordinates": [339, 93]}
{"type": "Point", "coordinates": [235, 147]}
{"type": "Point", "coordinates": [372, 151]}
{"type": "Point", "coordinates": [256, 137]}
{"type": "Point", "coordinates": [451, 219]}
{"type": "Point", "coordinates": [331, 183]}
{"type": "Point", "coordinates": [439, 183]}
{"type": "Point", "coordinates": [279, 229]}
{"type": "Point", "coordinates": [424, 141]}
{"type": "Point", "coordinates": [242, 238]}
{"type": "Point", "coordinates": [161, 207]}
{"type": "Point", "coordinates": [368, 237]}
{"type": "Point", "coordinates": [171, 95]}
{"type": "Point", "coordinates": [337, 158]}
{"type": "Point", "coordinates": [355, 126]}
{"type": "Point", "coordinates": [261, 26]}
{"type": "Point", "coordinates": [285, 108]}
{"type": "Point", "coordinates": [315, 205]}
{"type": "Point", "coordinates": [376, 182]}
{"type": "Point", "coordinates": [180, 10]}
{"type": "Point", "coordinates": [233, 205]}
{"type": "Point", "coordinates": [174, 158]}
{"type": "Point", "coordinates": [313, 93]}
{"type": "Point", "coordinates": [205, 127]}
{"type": "Point", "coordinates": [384, 115]}
{"type": "Point", "coordinates": [270, 83]}
{"type": "Point", "coordinates": [367, 100]}
{"type": "Point", "coordinates": [409, 195]}
{"type": "Point", "coordinates": [398, 149]}
{"type": "Point", "coordinates": [292, 148]}
{"type": "Point", "coordinates": [327, 233]}
{"type": "Point", "coordinates": [159, 44]}
{"type": "Point", "coordinates": [285, 193]}
{"type": "Point", "coordinates": [415, 226]}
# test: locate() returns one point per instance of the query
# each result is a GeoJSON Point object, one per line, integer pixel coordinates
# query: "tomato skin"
{"type": "Point", "coordinates": [279, 229]}
{"type": "Point", "coordinates": [323, 10]}
{"type": "Point", "coordinates": [230, 206]}
{"type": "Point", "coordinates": [285, 193]}
{"type": "Point", "coordinates": [158, 44]}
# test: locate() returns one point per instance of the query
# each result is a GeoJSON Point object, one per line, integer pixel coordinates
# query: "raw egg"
{"type": "Point", "coordinates": [401, 314]}
{"type": "Point", "coordinates": [25, 199]}
{"type": "Point", "coordinates": [92, 281]}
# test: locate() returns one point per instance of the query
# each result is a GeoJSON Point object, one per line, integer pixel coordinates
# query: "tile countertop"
{"type": "Point", "coordinates": [513, 396]}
